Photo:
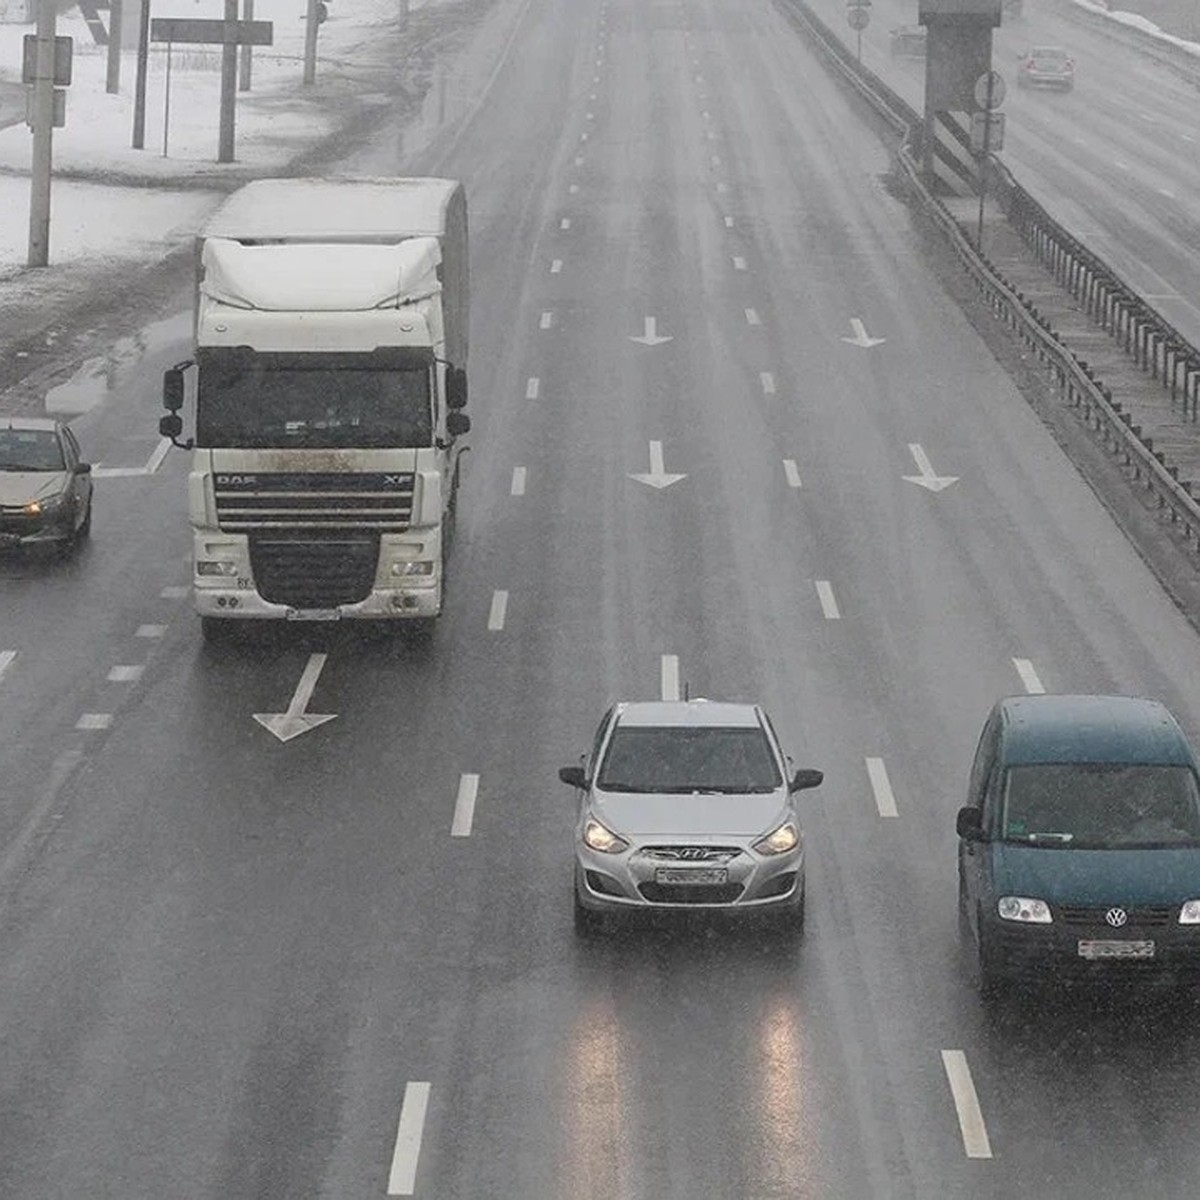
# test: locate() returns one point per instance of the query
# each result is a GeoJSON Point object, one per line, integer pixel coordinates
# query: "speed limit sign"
{"type": "Point", "coordinates": [859, 17]}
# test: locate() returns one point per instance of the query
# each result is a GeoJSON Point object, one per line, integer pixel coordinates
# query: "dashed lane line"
{"type": "Point", "coordinates": [464, 806]}
{"type": "Point", "coordinates": [498, 611]}
{"type": "Point", "coordinates": [669, 677]}
{"type": "Point", "coordinates": [791, 472]}
{"type": "Point", "coordinates": [1029, 677]}
{"type": "Point", "coordinates": [518, 481]}
{"type": "Point", "coordinates": [885, 799]}
{"type": "Point", "coordinates": [966, 1104]}
{"type": "Point", "coordinates": [402, 1177]}
{"type": "Point", "coordinates": [7, 658]}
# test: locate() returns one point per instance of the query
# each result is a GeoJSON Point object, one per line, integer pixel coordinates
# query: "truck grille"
{"type": "Point", "coordinates": [250, 500]}
{"type": "Point", "coordinates": [306, 572]}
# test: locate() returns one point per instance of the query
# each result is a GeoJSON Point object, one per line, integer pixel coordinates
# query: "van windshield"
{"type": "Point", "coordinates": [1101, 805]}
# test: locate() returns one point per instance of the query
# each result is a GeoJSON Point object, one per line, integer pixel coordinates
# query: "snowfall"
{"type": "Point", "coordinates": [109, 199]}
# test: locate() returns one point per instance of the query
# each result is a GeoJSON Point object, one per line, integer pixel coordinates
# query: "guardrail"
{"type": "Point", "coordinates": [1148, 338]}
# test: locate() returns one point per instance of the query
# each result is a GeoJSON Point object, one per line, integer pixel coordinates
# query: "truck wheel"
{"type": "Point", "coordinates": [417, 631]}
{"type": "Point", "coordinates": [214, 630]}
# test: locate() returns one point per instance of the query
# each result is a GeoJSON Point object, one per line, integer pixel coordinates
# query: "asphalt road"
{"type": "Point", "coordinates": [231, 967]}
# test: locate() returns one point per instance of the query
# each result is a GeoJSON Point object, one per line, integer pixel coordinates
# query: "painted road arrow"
{"type": "Point", "coordinates": [658, 477]}
{"type": "Point", "coordinates": [651, 337]}
{"type": "Point", "coordinates": [927, 479]}
{"type": "Point", "coordinates": [861, 336]}
{"type": "Point", "coordinates": [295, 721]}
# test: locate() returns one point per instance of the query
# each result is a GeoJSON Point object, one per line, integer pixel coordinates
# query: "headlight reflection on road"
{"type": "Point", "coordinates": [598, 1150]}
{"type": "Point", "coordinates": [780, 1138]}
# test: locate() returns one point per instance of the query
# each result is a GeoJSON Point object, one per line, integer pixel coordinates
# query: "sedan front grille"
{"type": "Point", "coordinates": [1136, 918]}
{"type": "Point", "coordinates": [687, 893]}
{"type": "Point", "coordinates": [692, 854]}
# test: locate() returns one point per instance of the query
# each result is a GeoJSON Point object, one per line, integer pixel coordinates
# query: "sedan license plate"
{"type": "Point", "coordinates": [692, 875]}
{"type": "Point", "coordinates": [313, 614]}
{"type": "Point", "coordinates": [1112, 949]}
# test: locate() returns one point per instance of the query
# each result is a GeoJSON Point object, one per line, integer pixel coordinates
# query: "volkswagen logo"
{"type": "Point", "coordinates": [1116, 917]}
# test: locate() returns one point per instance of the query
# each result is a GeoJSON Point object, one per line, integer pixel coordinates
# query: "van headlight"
{"type": "Point", "coordinates": [1189, 914]}
{"type": "Point", "coordinates": [1024, 908]}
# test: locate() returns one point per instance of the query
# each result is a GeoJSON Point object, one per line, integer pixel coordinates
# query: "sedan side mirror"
{"type": "Point", "coordinates": [806, 777]}
{"type": "Point", "coordinates": [573, 776]}
{"type": "Point", "coordinates": [969, 824]}
{"type": "Point", "coordinates": [83, 468]}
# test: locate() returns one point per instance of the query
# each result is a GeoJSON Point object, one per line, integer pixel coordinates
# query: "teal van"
{"type": "Point", "coordinates": [1079, 847]}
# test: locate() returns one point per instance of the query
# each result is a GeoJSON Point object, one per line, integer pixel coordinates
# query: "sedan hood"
{"type": "Point", "coordinates": [19, 487]}
{"type": "Point", "coordinates": [651, 814]}
{"type": "Point", "coordinates": [1097, 877]}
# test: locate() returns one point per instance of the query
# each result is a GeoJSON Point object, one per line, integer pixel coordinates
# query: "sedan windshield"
{"type": "Point", "coordinates": [1101, 805]}
{"type": "Point", "coordinates": [688, 759]}
{"type": "Point", "coordinates": [30, 450]}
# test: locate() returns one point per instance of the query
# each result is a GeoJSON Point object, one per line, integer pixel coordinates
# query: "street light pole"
{"type": "Point", "coordinates": [43, 134]}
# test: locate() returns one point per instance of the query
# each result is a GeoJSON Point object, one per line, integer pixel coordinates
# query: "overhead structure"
{"type": "Point", "coordinates": [958, 52]}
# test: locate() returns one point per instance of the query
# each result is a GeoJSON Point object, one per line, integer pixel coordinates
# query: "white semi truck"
{"type": "Point", "coordinates": [330, 371]}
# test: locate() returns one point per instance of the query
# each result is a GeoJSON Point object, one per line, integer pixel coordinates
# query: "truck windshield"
{"type": "Point", "coordinates": [351, 401]}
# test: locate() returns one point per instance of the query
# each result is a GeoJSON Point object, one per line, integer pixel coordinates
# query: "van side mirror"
{"type": "Point", "coordinates": [173, 389]}
{"type": "Point", "coordinates": [573, 776]}
{"type": "Point", "coordinates": [969, 824]}
{"type": "Point", "coordinates": [806, 777]}
{"type": "Point", "coordinates": [456, 387]}
{"type": "Point", "coordinates": [457, 423]}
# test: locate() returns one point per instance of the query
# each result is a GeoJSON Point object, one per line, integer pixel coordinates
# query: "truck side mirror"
{"type": "Point", "coordinates": [173, 390]}
{"type": "Point", "coordinates": [456, 387]}
{"type": "Point", "coordinates": [457, 423]}
{"type": "Point", "coordinates": [969, 824]}
{"type": "Point", "coordinates": [806, 777]}
{"type": "Point", "coordinates": [572, 776]}
{"type": "Point", "coordinates": [170, 426]}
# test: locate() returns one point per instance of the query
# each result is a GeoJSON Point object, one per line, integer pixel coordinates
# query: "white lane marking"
{"type": "Point", "coordinates": [130, 674]}
{"type": "Point", "coordinates": [152, 464]}
{"type": "Point", "coordinates": [174, 592]}
{"type": "Point", "coordinates": [790, 470]}
{"type": "Point", "coordinates": [1121, 164]}
{"type": "Point", "coordinates": [94, 721]}
{"type": "Point", "coordinates": [768, 383]}
{"type": "Point", "coordinates": [739, 263]}
{"type": "Point", "coordinates": [722, 188]}
{"type": "Point", "coordinates": [1167, 193]}
{"type": "Point", "coordinates": [885, 799]}
{"type": "Point", "coordinates": [160, 452]}
{"type": "Point", "coordinates": [728, 222]}
{"type": "Point", "coordinates": [547, 320]}
{"type": "Point", "coordinates": [828, 601]}
{"type": "Point", "coordinates": [498, 610]}
{"type": "Point", "coordinates": [579, 160]}
{"type": "Point", "coordinates": [1029, 677]}
{"type": "Point", "coordinates": [7, 658]}
{"type": "Point", "coordinates": [966, 1104]}
{"type": "Point", "coordinates": [583, 137]}
{"type": "Point", "coordinates": [402, 1178]}
{"type": "Point", "coordinates": [565, 223]}
{"type": "Point", "coordinates": [556, 266]}
{"type": "Point", "coordinates": [533, 388]}
{"type": "Point", "coordinates": [518, 482]}
{"type": "Point", "coordinates": [297, 720]}
{"type": "Point", "coordinates": [464, 806]}
{"type": "Point", "coordinates": [706, 115]}
{"type": "Point", "coordinates": [573, 188]}
{"type": "Point", "coordinates": [669, 677]}
{"type": "Point", "coordinates": [752, 317]}
{"type": "Point", "coordinates": [150, 631]}
{"type": "Point", "coordinates": [591, 116]}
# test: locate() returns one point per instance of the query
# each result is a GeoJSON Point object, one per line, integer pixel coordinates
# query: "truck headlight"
{"type": "Point", "coordinates": [779, 841]}
{"type": "Point", "coordinates": [216, 566]}
{"type": "Point", "coordinates": [1023, 908]}
{"type": "Point", "coordinates": [1189, 914]}
{"type": "Point", "coordinates": [417, 566]}
{"type": "Point", "coordinates": [599, 837]}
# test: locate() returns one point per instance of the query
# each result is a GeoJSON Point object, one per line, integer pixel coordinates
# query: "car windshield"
{"type": "Point", "coordinates": [1101, 805]}
{"type": "Point", "coordinates": [688, 759]}
{"type": "Point", "coordinates": [1050, 57]}
{"type": "Point", "coordinates": [30, 450]}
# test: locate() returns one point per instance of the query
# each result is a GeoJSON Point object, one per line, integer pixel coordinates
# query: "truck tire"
{"type": "Point", "coordinates": [214, 630]}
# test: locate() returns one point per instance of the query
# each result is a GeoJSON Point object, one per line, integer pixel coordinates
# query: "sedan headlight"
{"type": "Point", "coordinates": [1189, 914]}
{"type": "Point", "coordinates": [779, 841]}
{"type": "Point", "coordinates": [39, 508]}
{"type": "Point", "coordinates": [601, 838]}
{"type": "Point", "coordinates": [1022, 908]}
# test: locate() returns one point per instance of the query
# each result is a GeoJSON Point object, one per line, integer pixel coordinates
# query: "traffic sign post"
{"type": "Point", "coordinates": [859, 18]}
{"type": "Point", "coordinates": [987, 133]}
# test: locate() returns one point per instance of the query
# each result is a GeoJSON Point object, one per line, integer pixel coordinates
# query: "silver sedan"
{"type": "Point", "coordinates": [688, 805]}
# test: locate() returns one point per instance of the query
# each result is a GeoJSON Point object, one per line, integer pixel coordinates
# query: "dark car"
{"type": "Point", "coordinates": [45, 486]}
{"type": "Point", "coordinates": [1079, 848]}
{"type": "Point", "coordinates": [1046, 67]}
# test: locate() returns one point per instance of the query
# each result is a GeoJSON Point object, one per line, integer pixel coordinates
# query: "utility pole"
{"type": "Point", "coordinates": [143, 67]}
{"type": "Point", "coordinates": [43, 132]}
{"type": "Point", "coordinates": [112, 80]}
{"type": "Point", "coordinates": [229, 72]}
{"type": "Point", "coordinates": [247, 49]}
{"type": "Point", "coordinates": [310, 42]}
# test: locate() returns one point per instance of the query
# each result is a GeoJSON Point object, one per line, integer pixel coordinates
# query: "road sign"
{"type": "Point", "coordinates": [989, 90]}
{"type": "Point", "coordinates": [194, 30]}
{"type": "Point", "coordinates": [62, 60]}
{"type": "Point", "coordinates": [989, 125]}
{"type": "Point", "coordinates": [858, 17]}
{"type": "Point", "coordinates": [59, 110]}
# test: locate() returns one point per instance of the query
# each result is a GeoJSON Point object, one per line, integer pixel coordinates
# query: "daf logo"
{"type": "Point", "coordinates": [237, 480]}
{"type": "Point", "coordinates": [393, 481]}
{"type": "Point", "coordinates": [1116, 917]}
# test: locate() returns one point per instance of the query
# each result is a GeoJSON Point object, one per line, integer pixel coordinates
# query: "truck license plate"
{"type": "Point", "coordinates": [313, 614]}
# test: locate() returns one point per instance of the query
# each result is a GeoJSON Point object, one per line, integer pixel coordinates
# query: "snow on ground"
{"type": "Point", "coordinates": [277, 119]}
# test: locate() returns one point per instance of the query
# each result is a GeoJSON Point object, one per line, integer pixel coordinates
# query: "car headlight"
{"type": "Point", "coordinates": [39, 508]}
{"type": "Point", "coordinates": [215, 566]}
{"type": "Point", "coordinates": [418, 566]}
{"type": "Point", "coordinates": [1189, 914]}
{"type": "Point", "coordinates": [1022, 908]}
{"type": "Point", "coordinates": [601, 838]}
{"type": "Point", "coordinates": [779, 841]}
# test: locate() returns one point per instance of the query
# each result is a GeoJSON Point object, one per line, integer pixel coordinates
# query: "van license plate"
{"type": "Point", "coordinates": [1103, 949]}
{"type": "Point", "coordinates": [313, 614]}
